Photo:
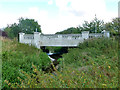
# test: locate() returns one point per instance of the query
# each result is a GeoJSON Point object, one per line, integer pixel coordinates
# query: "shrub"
{"type": "Point", "coordinates": [92, 48]}
{"type": "Point", "coordinates": [20, 57]}
{"type": "Point", "coordinates": [93, 66]}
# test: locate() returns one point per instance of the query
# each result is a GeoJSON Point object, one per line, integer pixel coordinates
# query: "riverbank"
{"type": "Point", "coordinates": [94, 64]}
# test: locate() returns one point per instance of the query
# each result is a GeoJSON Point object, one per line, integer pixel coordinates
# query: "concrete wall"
{"type": "Point", "coordinates": [60, 41]}
{"type": "Point", "coordinates": [37, 39]}
{"type": "Point", "coordinates": [64, 40]}
{"type": "Point", "coordinates": [85, 34]}
{"type": "Point", "coordinates": [26, 38]}
{"type": "Point", "coordinates": [21, 37]}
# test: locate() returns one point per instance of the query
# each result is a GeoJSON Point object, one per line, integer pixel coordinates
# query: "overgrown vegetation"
{"type": "Point", "coordinates": [29, 26]}
{"type": "Point", "coordinates": [17, 57]}
{"type": "Point", "coordinates": [71, 30]}
{"type": "Point", "coordinates": [25, 25]}
{"type": "Point", "coordinates": [95, 26]}
{"type": "Point", "coordinates": [94, 64]}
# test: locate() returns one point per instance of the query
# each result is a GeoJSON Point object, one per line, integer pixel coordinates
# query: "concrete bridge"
{"type": "Point", "coordinates": [63, 40]}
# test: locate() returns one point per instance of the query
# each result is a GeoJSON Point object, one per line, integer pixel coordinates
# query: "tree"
{"type": "Point", "coordinates": [113, 26]}
{"type": "Point", "coordinates": [29, 26]}
{"type": "Point", "coordinates": [71, 30]}
{"type": "Point", "coordinates": [94, 26]}
{"type": "Point", "coordinates": [12, 30]}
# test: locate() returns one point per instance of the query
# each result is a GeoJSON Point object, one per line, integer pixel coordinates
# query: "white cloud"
{"type": "Point", "coordinates": [80, 8]}
{"type": "Point", "coordinates": [71, 14]}
{"type": "Point", "coordinates": [23, 1]}
{"type": "Point", "coordinates": [74, 12]}
{"type": "Point", "coordinates": [50, 2]}
{"type": "Point", "coordinates": [7, 19]}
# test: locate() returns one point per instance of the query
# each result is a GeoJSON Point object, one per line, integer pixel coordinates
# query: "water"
{"type": "Point", "coordinates": [54, 58]}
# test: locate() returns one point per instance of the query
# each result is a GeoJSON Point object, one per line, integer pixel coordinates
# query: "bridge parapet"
{"type": "Point", "coordinates": [96, 35]}
{"type": "Point", "coordinates": [37, 39]}
{"type": "Point", "coordinates": [28, 36]}
{"type": "Point", "coordinates": [85, 34]}
{"type": "Point", "coordinates": [21, 37]}
{"type": "Point", "coordinates": [62, 36]}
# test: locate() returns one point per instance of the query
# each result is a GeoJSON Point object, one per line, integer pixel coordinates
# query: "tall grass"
{"type": "Point", "coordinates": [94, 64]}
{"type": "Point", "coordinates": [92, 48]}
{"type": "Point", "coordinates": [17, 57]}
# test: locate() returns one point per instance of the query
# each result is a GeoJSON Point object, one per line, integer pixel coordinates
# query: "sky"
{"type": "Point", "coordinates": [57, 15]}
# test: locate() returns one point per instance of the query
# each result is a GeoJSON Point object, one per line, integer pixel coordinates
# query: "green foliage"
{"type": "Point", "coordinates": [93, 26]}
{"type": "Point", "coordinates": [99, 43]}
{"type": "Point", "coordinates": [27, 26]}
{"type": "Point", "coordinates": [93, 66]}
{"type": "Point", "coordinates": [12, 30]}
{"type": "Point", "coordinates": [17, 57]}
{"type": "Point", "coordinates": [91, 49]}
{"type": "Point", "coordinates": [101, 74]}
{"type": "Point", "coordinates": [113, 26]}
{"type": "Point", "coordinates": [71, 30]}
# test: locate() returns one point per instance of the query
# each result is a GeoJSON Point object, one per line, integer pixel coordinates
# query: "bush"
{"type": "Point", "coordinates": [20, 58]}
{"type": "Point", "coordinates": [93, 66]}
{"type": "Point", "coordinates": [92, 48]}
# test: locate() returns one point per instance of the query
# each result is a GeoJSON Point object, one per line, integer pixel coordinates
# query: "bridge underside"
{"type": "Point", "coordinates": [61, 43]}
{"type": "Point", "coordinates": [58, 45]}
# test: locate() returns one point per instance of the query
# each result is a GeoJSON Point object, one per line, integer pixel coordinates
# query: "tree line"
{"type": "Point", "coordinates": [25, 25]}
{"type": "Point", "coordinates": [94, 26]}
{"type": "Point", "coordinates": [29, 26]}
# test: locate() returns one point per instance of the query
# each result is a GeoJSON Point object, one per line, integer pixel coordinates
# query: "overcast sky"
{"type": "Point", "coordinates": [57, 15]}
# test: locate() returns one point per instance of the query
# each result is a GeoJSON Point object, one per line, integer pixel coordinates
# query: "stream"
{"type": "Point", "coordinates": [54, 57]}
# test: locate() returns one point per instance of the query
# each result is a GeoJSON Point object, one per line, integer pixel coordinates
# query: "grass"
{"type": "Point", "coordinates": [17, 57]}
{"type": "Point", "coordinates": [94, 64]}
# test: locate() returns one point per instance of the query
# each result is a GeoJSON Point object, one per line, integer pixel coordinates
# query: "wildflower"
{"type": "Point", "coordinates": [104, 84]}
{"type": "Point", "coordinates": [6, 81]}
{"type": "Point", "coordinates": [35, 84]}
{"type": "Point", "coordinates": [35, 70]}
{"type": "Point", "coordinates": [108, 66]}
{"type": "Point", "coordinates": [9, 84]}
{"type": "Point", "coordinates": [100, 75]}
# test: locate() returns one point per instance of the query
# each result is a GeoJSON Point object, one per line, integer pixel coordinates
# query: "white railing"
{"type": "Point", "coordinates": [28, 36]}
{"type": "Point", "coordinates": [38, 39]}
